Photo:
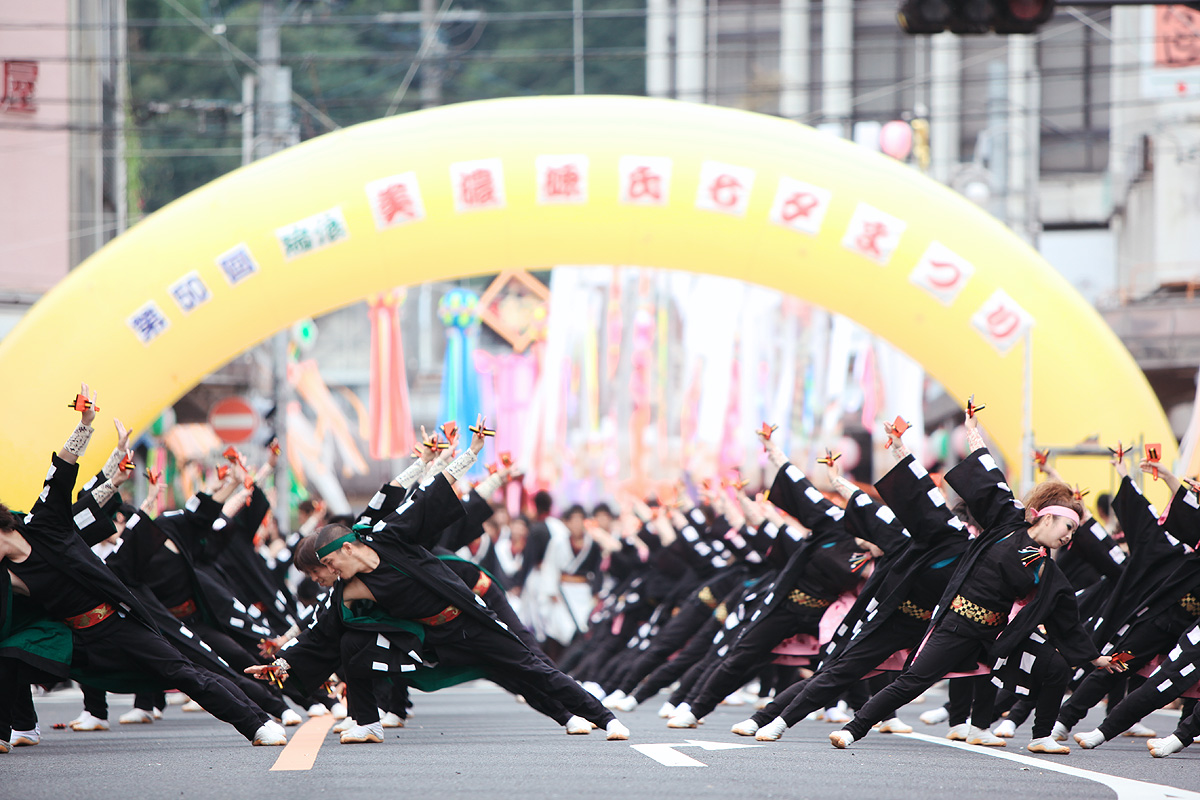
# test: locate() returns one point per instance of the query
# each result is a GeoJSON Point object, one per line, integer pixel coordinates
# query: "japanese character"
{"type": "Point", "coordinates": [562, 181]}
{"type": "Point", "coordinates": [477, 188]}
{"type": "Point", "coordinates": [725, 190]}
{"type": "Point", "coordinates": [800, 204]}
{"type": "Point", "coordinates": [237, 265]}
{"type": "Point", "coordinates": [148, 322]}
{"type": "Point", "coordinates": [867, 240]}
{"type": "Point", "coordinates": [395, 201]}
{"type": "Point", "coordinates": [296, 241]}
{"type": "Point", "coordinates": [644, 182]}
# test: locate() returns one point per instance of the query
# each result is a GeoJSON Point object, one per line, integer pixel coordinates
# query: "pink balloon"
{"type": "Point", "coordinates": [896, 139]}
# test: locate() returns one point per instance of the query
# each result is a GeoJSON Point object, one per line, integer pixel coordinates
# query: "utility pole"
{"type": "Point", "coordinates": [274, 131]}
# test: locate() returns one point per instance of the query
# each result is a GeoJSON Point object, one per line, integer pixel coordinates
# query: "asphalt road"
{"type": "Point", "coordinates": [475, 741]}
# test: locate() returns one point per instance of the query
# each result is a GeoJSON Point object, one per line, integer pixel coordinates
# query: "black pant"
{"type": "Point", "coordinates": [1162, 686]}
{"type": "Point", "coordinates": [675, 668]}
{"type": "Point", "coordinates": [464, 642]}
{"type": "Point", "coordinates": [95, 702]}
{"type": "Point", "coordinates": [238, 657]}
{"type": "Point", "coordinates": [120, 643]}
{"type": "Point", "coordinates": [606, 650]}
{"type": "Point", "coordinates": [751, 649]}
{"type": "Point", "coordinates": [1145, 639]}
{"type": "Point", "coordinates": [823, 689]}
{"type": "Point", "coordinates": [16, 698]}
{"type": "Point", "coordinates": [944, 650]}
{"type": "Point", "coordinates": [781, 701]}
{"type": "Point", "coordinates": [670, 638]}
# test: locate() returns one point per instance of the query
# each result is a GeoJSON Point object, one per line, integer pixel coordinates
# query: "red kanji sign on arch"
{"type": "Point", "coordinates": [233, 420]}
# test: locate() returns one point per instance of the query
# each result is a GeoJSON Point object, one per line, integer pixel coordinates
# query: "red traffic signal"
{"type": "Point", "coordinates": [974, 16]}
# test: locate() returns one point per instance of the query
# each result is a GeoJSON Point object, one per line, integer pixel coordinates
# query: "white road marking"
{"type": "Point", "coordinates": [668, 756]}
{"type": "Point", "coordinates": [1126, 788]}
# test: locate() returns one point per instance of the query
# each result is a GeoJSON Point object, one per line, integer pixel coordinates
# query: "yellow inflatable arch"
{"type": "Point", "coordinates": [523, 183]}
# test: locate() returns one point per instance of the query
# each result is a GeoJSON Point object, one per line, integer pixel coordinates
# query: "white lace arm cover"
{"type": "Point", "coordinates": [114, 460]}
{"type": "Point", "coordinates": [460, 465]}
{"type": "Point", "coordinates": [408, 478]}
{"type": "Point", "coordinates": [77, 444]}
{"type": "Point", "coordinates": [488, 486]}
{"type": "Point", "coordinates": [103, 493]}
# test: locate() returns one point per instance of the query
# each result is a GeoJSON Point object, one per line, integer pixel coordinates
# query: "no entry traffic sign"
{"type": "Point", "coordinates": [233, 419]}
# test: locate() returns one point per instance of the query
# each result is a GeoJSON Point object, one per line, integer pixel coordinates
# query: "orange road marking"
{"type": "Point", "coordinates": [301, 751]}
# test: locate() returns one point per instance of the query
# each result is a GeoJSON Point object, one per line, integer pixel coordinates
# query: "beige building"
{"type": "Point", "coordinates": [62, 194]}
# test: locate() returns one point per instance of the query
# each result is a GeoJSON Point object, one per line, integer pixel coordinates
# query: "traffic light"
{"type": "Point", "coordinates": [973, 16]}
{"type": "Point", "coordinates": [1022, 16]}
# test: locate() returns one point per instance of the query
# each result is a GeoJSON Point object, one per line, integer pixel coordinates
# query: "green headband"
{"type": "Point", "coordinates": [329, 547]}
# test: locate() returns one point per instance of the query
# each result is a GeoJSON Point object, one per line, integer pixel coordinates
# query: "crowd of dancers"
{"type": "Point", "coordinates": [846, 605]}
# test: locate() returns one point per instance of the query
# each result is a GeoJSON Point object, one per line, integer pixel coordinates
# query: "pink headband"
{"type": "Point", "coordinates": [1058, 511]}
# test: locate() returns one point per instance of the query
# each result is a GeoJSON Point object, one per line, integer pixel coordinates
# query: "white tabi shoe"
{"type": "Point", "coordinates": [1060, 732]}
{"type": "Point", "coordinates": [839, 714]}
{"type": "Point", "coordinates": [364, 734]}
{"type": "Point", "coordinates": [685, 719]}
{"type": "Point", "coordinates": [1090, 740]}
{"type": "Point", "coordinates": [1006, 729]}
{"type": "Point", "coordinates": [390, 720]}
{"type": "Point", "coordinates": [88, 722]}
{"type": "Point", "coordinates": [958, 733]}
{"type": "Point", "coordinates": [290, 718]}
{"type": "Point", "coordinates": [894, 725]}
{"type": "Point", "coordinates": [625, 704]}
{"type": "Point", "coordinates": [772, 731]}
{"type": "Point", "coordinates": [156, 713]}
{"type": "Point", "coordinates": [269, 734]}
{"type": "Point", "coordinates": [192, 705]}
{"type": "Point", "coordinates": [1140, 731]}
{"type": "Point", "coordinates": [317, 710]}
{"type": "Point", "coordinates": [594, 689]}
{"type": "Point", "coordinates": [666, 711]}
{"type": "Point", "coordinates": [338, 711]}
{"type": "Point", "coordinates": [1161, 748]}
{"type": "Point", "coordinates": [26, 738]}
{"type": "Point", "coordinates": [616, 732]}
{"type": "Point", "coordinates": [841, 739]}
{"type": "Point", "coordinates": [176, 698]}
{"type": "Point", "coordinates": [747, 727]}
{"type": "Point", "coordinates": [344, 725]}
{"type": "Point", "coordinates": [578, 726]}
{"type": "Point", "coordinates": [935, 716]}
{"type": "Point", "coordinates": [984, 738]}
{"type": "Point", "coordinates": [5, 747]}
{"type": "Point", "coordinates": [735, 699]}
{"type": "Point", "coordinates": [136, 716]}
{"type": "Point", "coordinates": [615, 697]}
{"type": "Point", "coordinates": [1048, 745]}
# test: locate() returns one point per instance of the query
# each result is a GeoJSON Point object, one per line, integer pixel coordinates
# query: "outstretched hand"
{"type": "Point", "coordinates": [88, 415]}
{"type": "Point", "coordinates": [122, 435]}
{"type": "Point", "coordinates": [478, 438]}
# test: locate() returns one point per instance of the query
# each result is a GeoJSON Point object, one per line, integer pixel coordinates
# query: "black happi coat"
{"type": "Point", "coordinates": [981, 485]}
{"type": "Point", "coordinates": [1158, 571]}
{"type": "Point", "coordinates": [1091, 556]}
{"type": "Point", "coordinates": [402, 537]}
{"type": "Point", "coordinates": [820, 565]}
{"type": "Point", "coordinates": [53, 529]}
{"type": "Point", "coordinates": [823, 565]}
{"type": "Point", "coordinates": [199, 532]}
{"type": "Point", "coordinates": [926, 559]}
{"type": "Point", "coordinates": [244, 570]}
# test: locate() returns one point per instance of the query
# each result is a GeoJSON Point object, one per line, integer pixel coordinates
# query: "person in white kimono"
{"type": "Point", "coordinates": [566, 579]}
